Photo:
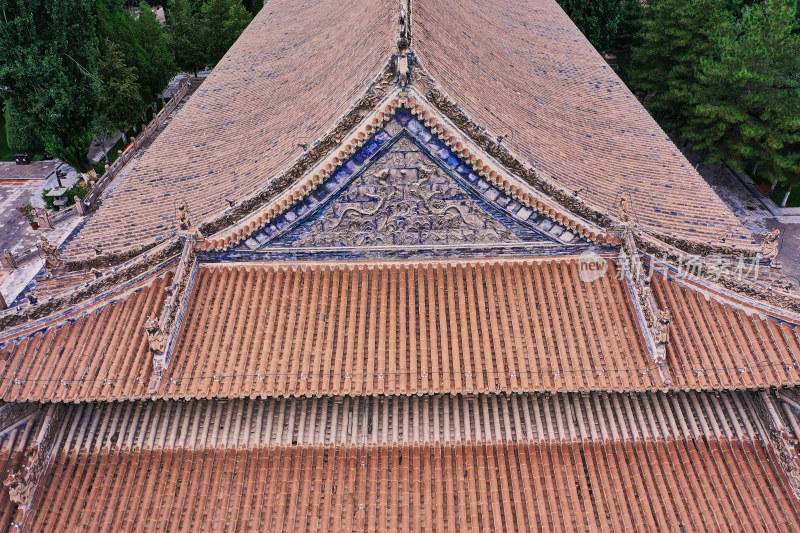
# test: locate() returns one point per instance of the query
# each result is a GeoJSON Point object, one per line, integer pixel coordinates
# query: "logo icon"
{"type": "Point", "coordinates": [591, 266]}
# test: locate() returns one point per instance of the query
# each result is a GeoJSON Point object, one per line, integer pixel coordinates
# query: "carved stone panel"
{"type": "Point", "coordinates": [404, 199]}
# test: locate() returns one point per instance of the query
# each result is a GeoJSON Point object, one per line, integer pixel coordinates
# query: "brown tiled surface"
{"type": "Point", "coordinates": [715, 345]}
{"type": "Point", "coordinates": [99, 354]}
{"type": "Point", "coordinates": [292, 74]}
{"type": "Point", "coordinates": [397, 328]}
{"type": "Point", "coordinates": [11, 458]}
{"type": "Point", "coordinates": [642, 461]}
{"type": "Point", "coordinates": [406, 328]}
{"type": "Point", "coordinates": [642, 486]}
{"type": "Point", "coordinates": [524, 70]}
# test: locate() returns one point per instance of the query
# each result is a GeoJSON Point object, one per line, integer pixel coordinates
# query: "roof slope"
{"type": "Point", "coordinates": [406, 328]}
{"type": "Point", "coordinates": [523, 69]}
{"type": "Point", "coordinates": [292, 74]}
{"type": "Point", "coordinates": [398, 327]}
{"type": "Point", "coordinates": [96, 355]}
{"type": "Point", "coordinates": [443, 463]}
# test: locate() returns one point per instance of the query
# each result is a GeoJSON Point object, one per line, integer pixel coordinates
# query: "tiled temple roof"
{"type": "Point", "coordinates": [403, 328]}
{"type": "Point", "coordinates": [419, 327]}
{"type": "Point", "coordinates": [96, 354]}
{"type": "Point", "coordinates": [524, 70]}
{"type": "Point", "coordinates": [441, 463]}
{"type": "Point", "coordinates": [717, 345]}
{"type": "Point", "coordinates": [292, 74]}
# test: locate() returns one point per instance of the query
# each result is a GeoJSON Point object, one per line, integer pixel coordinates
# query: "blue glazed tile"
{"type": "Point", "coordinates": [453, 162]}
{"type": "Point", "coordinates": [360, 157]}
{"type": "Point", "coordinates": [524, 213]}
{"type": "Point", "coordinates": [482, 185]}
{"type": "Point", "coordinates": [403, 117]}
{"type": "Point", "coordinates": [270, 230]}
{"type": "Point", "coordinates": [301, 209]}
{"type": "Point", "coordinates": [330, 186]}
{"type": "Point", "coordinates": [415, 127]}
{"type": "Point", "coordinates": [291, 216]}
{"type": "Point", "coordinates": [462, 169]}
{"type": "Point", "coordinates": [349, 168]}
{"type": "Point", "coordinates": [491, 193]}
{"type": "Point", "coordinates": [425, 136]}
{"type": "Point", "coordinates": [443, 153]}
{"type": "Point", "coordinates": [371, 147]}
{"type": "Point", "coordinates": [311, 199]}
{"type": "Point", "coordinates": [472, 177]}
{"type": "Point", "coordinates": [513, 207]}
{"type": "Point", "coordinates": [382, 137]}
{"type": "Point", "coordinates": [281, 223]}
{"type": "Point", "coordinates": [503, 200]}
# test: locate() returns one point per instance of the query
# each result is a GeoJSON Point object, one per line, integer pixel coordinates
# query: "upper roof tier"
{"type": "Point", "coordinates": [296, 69]}
{"type": "Point", "coordinates": [520, 70]}
{"type": "Point", "coordinates": [524, 70]}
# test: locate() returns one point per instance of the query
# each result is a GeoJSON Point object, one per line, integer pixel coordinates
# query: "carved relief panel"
{"type": "Point", "coordinates": [404, 199]}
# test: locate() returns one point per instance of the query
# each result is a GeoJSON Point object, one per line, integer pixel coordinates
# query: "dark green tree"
{"type": "Point", "coordinates": [598, 20]}
{"type": "Point", "coordinates": [674, 38]}
{"type": "Point", "coordinates": [628, 32]}
{"type": "Point", "coordinates": [158, 63]}
{"type": "Point", "coordinates": [120, 97]}
{"type": "Point", "coordinates": [185, 32]}
{"type": "Point", "coordinates": [223, 22]}
{"type": "Point", "coordinates": [745, 103]}
{"type": "Point", "coordinates": [20, 132]}
{"type": "Point", "coordinates": [48, 53]}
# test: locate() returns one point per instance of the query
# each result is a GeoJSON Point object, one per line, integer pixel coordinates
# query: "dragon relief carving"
{"type": "Point", "coordinates": [404, 199]}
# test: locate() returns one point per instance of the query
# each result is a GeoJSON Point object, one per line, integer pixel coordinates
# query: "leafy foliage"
{"type": "Point", "coordinates": [185, 31]}
{"type": "Point", "coordinates": [599, 20]}
{"type": "Point", "coordinates": [48, 53]}
{"type": "Point", "coordinates": [120, 98]}
{"type": "Point", "coordinates": [158, 64]}
{"type": "Point", "coordinates": [745, 104]}
{"type": "Point", "coordinates": [223, 22]}
{"type": "Point", "coordinates": [21, 135]}
{"type": "Point", "coordinates": [675, 36]}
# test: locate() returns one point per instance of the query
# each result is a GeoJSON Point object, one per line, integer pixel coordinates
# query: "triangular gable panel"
{"type": "Point", "coordinates": [405, 188]}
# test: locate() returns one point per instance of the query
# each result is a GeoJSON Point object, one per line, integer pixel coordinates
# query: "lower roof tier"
{"type": "Point", "coordinates": [565, 462]}
{"type": "Point", "coordinates": [410, 327]}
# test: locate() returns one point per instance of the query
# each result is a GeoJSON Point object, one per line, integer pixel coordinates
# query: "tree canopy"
{"type": "Point", "coordinates": [48, 60]}
{"type": "Point", "coordinates": [745, 103]}
{"type": "Point", "coordinates": [222, 22]}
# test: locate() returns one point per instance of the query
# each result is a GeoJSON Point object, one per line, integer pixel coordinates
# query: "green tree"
{"type": "Point", "coordinates": [48, 53]}
{"type": "Point", "coordinates": [21, 133]}
{"type": "Point", "coordinates": [158, 64]}
{"type": "Point", "coordinates": [674, 37]}
{"type": "Point", "coordinates": [628, 31]}
{"type": "Point", "coordinates": [223, 22]}
{"type": "Point", "coordinates": [185, 31]}
{"type": "Point", "coordinates": [120, 97]}
{"type": "Point", "coordinates": [745, 103]}
{"type": "Point", "coordinates": [598, 20]}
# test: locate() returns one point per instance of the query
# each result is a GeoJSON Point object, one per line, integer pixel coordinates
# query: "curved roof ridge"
{"type": "Point", "coordinates": [737, 299]}
{"type": "Point", "coordinates": [472, 155]}
{"type": "Point", "coordinates": [69, 313]}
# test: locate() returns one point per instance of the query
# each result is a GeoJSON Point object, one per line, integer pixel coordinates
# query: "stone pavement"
{"type": "Point", "coordinates": [35, 171]}
{"type": "Point", "coordinates": [17, 234]}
